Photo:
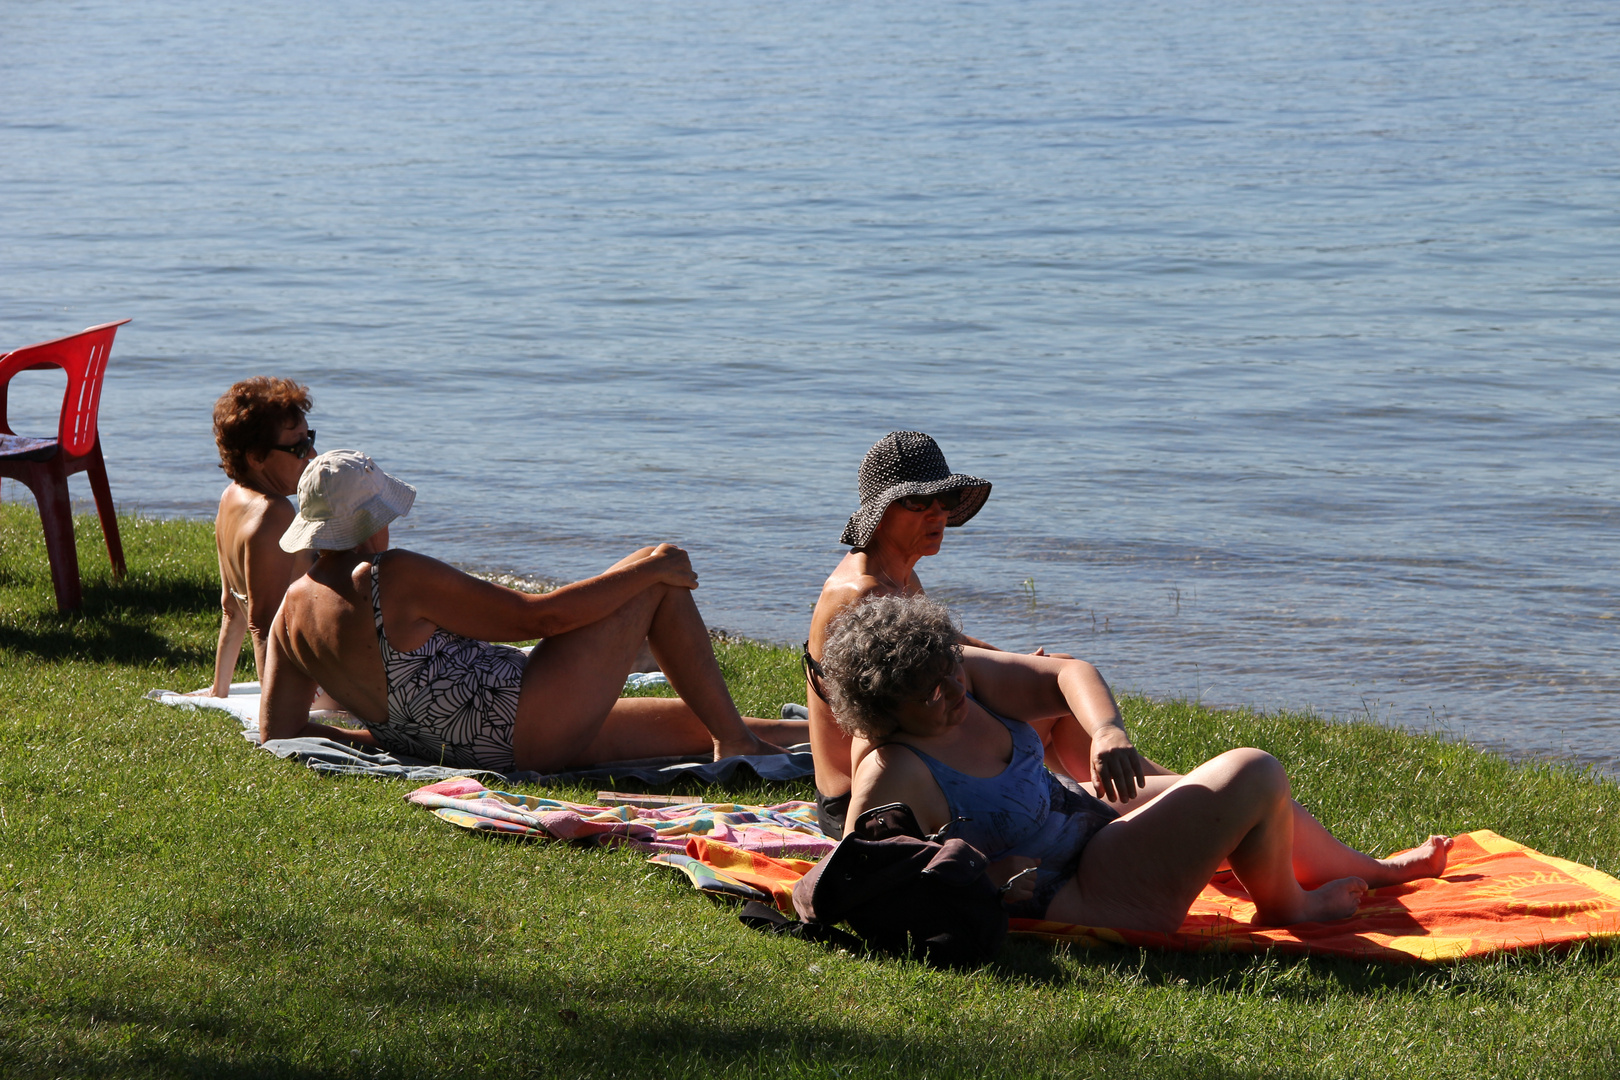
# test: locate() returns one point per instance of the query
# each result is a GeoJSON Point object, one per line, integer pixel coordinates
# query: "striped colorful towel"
{"type": "Point", "coordinates": [717, 867]}
{"type": "Point", "coordinates": [1496, 896]}
{"type": "Point", "coordinates": [787, 830]}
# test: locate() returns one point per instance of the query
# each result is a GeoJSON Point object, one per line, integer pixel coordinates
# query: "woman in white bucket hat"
{"type": "Point", "coordinates": [403, 641]}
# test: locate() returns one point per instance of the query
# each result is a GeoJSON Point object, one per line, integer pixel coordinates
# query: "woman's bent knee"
{"type": "Point", "coordinates": [1257, 769]}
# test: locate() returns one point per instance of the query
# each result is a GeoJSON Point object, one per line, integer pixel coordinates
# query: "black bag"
{"type": "Point", "coordinates": [900, 893]}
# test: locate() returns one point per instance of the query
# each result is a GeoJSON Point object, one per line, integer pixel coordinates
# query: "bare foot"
{"type": "Point", "coordinates": [779, 732]}
{"type": "Point", "coordinates": [1428, 859]}
{"type": "Point", "coordinates": [1335, 900]}
{"type": "Point", "coordinates": [752, 745]}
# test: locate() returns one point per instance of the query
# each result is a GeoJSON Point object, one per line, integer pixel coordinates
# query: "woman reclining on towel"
{"type": "Point", "coordinates": [952, 742]}
{"type": "Point", "coordinates": [402, 641]}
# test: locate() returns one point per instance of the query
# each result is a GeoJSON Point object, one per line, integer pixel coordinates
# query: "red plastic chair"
{"type": "Point", "coordinates": [44, 464]}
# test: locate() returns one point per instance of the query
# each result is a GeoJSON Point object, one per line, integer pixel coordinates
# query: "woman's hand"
{"type": "Point", "coordinates": [1014, 876]}
{"type": "Point", "coordinates": [1116, 767]}
{"type": "Point", "coordinates": [673, 566]}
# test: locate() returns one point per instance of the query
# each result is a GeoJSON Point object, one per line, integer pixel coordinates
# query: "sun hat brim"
{"type": "Point", "coordinates": [864, 522]}
{"type": "Point", "coordinates": [393, 499]}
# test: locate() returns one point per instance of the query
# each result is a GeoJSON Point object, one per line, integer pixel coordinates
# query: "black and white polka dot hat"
{"type": "Point", "coordinates": [902, 464]}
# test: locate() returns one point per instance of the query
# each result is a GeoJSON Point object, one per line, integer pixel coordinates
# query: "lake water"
{"type": "Point", "coordinates": [1287, 333]}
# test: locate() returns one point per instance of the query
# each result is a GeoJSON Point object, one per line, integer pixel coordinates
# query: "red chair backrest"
{"type": "Point", "coordinates": [83, 356]}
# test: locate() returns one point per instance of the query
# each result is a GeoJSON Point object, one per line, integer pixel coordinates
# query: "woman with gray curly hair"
{"type": "Point", "coordinates": [953, 743]}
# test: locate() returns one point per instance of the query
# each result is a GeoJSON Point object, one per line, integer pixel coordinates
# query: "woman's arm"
{"type": "Point", "coordinates": [471, 607]}
{"type": "Point", "coordinates": [233, 625]}
{"type": "Point", "coordinates": [1116, 766]}
{"type": "Point", "coordinates": [1031, 688]}
{"type": "Point", "coordinates": [969, 639]}
{"type": "Point", "coordinates": [288, 689]}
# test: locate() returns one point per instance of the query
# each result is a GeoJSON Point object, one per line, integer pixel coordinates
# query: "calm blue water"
{"type": "Point", "coordinates": [1286, 332]}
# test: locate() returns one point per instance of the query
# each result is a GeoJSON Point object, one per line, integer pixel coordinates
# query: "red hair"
{"type": "Point", "coordinates": [251, 416]}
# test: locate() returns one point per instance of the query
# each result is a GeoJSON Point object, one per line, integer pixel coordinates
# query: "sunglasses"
{"type": "Point", "coordinates": [948, 501]}
{"type": "Point", "coordinates": [302, 447]}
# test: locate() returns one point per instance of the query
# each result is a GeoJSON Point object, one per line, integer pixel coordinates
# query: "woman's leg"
{"type": "Point", "coordinates": [1318, 856]}
{"type": "Point", "coordinates": [664, 727]}
{"type": "Point", "coordinates": [572, 682]}
{"type": "Point", "coordinates": [1151, 788]}
{"type": "Point", "coordinates": [1143, 871]}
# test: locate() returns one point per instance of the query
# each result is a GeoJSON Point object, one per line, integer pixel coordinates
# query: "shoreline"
{"type": "Point", "coordinates": [1611, 774]}
{"type": "Point", "coordinates": [1600, 768]}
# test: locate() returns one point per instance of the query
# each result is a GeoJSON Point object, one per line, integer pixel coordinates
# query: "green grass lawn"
{"type": "Point", "coordinates": [175, 903]}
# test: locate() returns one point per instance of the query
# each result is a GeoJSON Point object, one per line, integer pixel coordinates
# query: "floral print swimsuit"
{"type": "Point", "coordinates": [451, 702]}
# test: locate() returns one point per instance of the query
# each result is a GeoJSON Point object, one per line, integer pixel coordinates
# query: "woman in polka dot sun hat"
{"type": "Point", "coordinates": [909, 497]}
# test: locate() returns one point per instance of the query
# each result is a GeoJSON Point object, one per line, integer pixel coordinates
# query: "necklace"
{"type": "Point", "coordinates": [890, 582]}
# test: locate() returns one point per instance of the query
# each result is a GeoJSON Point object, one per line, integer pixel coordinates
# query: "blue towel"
{"type": "Point", "coordinates": [340, 759]}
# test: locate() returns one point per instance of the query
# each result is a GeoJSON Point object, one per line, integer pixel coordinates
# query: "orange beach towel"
{"type": "Point", "coordinates": [1496, 896]}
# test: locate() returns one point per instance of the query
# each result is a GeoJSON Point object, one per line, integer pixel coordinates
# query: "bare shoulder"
{"type": "Point", "coordinates": [848, 585]}
{"type": "Point", "coordinates": [325, 604]}
{"type": "Point", "coordinates": [248, 518]}
{"type": "Point", "coordinates": [278, 512]}
{"type": "Point", "coordinates": [300, 594]}
{"type": "Point", "coordinates": [237, 504]}
{"type": "Point", "coordinates": [849, 581]}
{"type": "Point", "coordinates": [891, 773]}
{"type": "Point", "coordinates": [893, 761]}
{"type": "Point", "coordinates": [836, 597]}
{"type": "Point", "coordinates": [264, 524]}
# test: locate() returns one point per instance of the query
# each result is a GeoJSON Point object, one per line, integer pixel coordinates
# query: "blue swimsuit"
{"type": "Point", "coordinates": [1022, 810]}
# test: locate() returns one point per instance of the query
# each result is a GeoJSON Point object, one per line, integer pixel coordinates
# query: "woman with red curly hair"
{"type": "Point", "coordinates": [264, 443]}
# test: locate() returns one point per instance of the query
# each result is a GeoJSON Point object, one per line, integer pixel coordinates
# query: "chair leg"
{"type": "Point", "coordinates": [96, 466]}
{"type": "Point", "coordinates": [56, 514]}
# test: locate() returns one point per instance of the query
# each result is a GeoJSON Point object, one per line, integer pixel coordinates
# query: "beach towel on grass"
{"type": "Point", "coordinates": [713, 866]}
{"type": "Point", "coordinates": [329, 756]}
{"type": "Point", "coordinates": [1496, 896]}
{"type": "Point", "coordinates": [324, 755]}
{"type": "Point", "coordinates": [785, 831]}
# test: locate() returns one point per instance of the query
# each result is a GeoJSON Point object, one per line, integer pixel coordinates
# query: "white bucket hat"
{"type": "Point", "coordinates": [343, 498]}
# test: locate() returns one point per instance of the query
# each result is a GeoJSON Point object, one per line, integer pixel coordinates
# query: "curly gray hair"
{"type": "Point", "coordinates": [881, 652]}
